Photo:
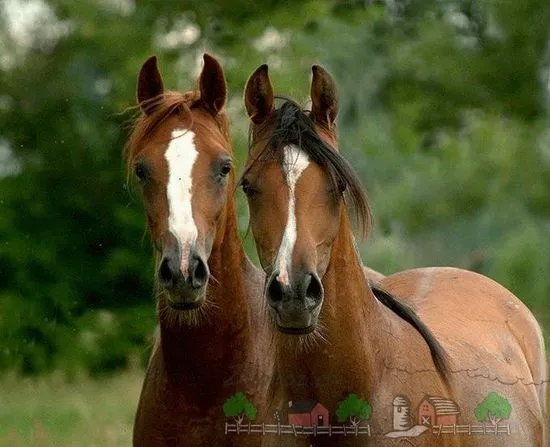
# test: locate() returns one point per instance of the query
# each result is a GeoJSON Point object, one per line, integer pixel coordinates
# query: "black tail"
{"type": "Point", "coordinates": [405, 312]}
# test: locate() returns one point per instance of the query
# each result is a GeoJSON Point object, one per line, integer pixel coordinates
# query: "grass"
{"type": "Point", "coordinates": [49, 411]}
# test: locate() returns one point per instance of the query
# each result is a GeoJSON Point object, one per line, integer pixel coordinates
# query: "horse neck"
{"type": "Point", "coordinates": [202, 349]}
{"type": "Point", "coordinates": [353, 325]}
{"type": "Point", "coordinates": [350, 311]}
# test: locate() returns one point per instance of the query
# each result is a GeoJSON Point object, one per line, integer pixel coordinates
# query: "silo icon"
{"type": "Point", "coordinates": [401, 413]}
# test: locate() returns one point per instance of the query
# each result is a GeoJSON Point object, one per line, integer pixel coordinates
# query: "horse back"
{"type": "Point", "coordinates": [493, 341]}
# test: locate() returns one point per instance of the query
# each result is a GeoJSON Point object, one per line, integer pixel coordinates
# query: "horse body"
{"type": "Point", "coordinates": [211, 326]}
{"type": "Point", "coordinates": [492, 339]}
{"type": "Point", "coordinates": [336, 336]}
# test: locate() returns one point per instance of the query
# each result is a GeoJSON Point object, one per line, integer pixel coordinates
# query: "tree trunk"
{"type": "Point", "coordinates": [494, 420]}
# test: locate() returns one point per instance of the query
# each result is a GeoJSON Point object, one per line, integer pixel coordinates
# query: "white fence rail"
{"type": "Point", "coordinates": [500, 429]}
{"type": "Point", "coordinates": [297, 430]}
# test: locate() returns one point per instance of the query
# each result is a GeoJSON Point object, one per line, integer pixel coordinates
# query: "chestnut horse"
{"type": "Point", "coordinates": [208, 292]}
{"type": "Point", "coordinates": [337, 335]}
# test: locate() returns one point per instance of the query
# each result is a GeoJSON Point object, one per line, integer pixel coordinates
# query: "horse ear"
{"type": "Point", "coordinates": [258, 95]}
{"type": "Point", "coordinates": [149, 84]}
{"type": "Point", "coordinates": [212, 85]}
{"type": "Point", "coordinates": [323, 96]}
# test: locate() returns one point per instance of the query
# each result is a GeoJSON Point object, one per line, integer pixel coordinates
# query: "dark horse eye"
{"type": "Point", "coordinates": [139, 169]}
{"type": "Point", "coordinates": [226, 169]}
{"type": "Point", "coordinates": [248, 189]}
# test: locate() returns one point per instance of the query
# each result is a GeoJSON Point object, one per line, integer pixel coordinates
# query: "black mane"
{"type": "Point", "coordinates": [408, 314]}
{"type": "Point", "coordinates": [293, 125]}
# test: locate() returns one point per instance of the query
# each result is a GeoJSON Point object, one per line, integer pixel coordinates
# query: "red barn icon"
{"type": "Point", "coordinates": [434, 410]}
{"type": "Point", "coordinates": [308, 413]}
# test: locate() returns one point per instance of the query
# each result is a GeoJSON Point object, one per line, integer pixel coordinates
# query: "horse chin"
{"type": "Point", "coordinates": [301, 323]}
{"type": "Point", "coordinates": [185, 303]}
{"type": "Point", "coordinates": [297, 330]}
{"type": "Point", "coordinates": [182, 305]}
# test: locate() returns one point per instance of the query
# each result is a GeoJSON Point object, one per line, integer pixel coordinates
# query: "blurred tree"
{"type": "Point", "coordinates": [70, 229]}
{"type": "Point", "coordinates": [444, 112]}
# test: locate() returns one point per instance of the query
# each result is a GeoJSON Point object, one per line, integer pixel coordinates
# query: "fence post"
{"type": "Point", "coordinates": [314, 430]}
{"type": "Point", "coordinates": [469, 429]}
{"type": "Point", "coordinates": [248, 427]}
{"type": "Point", "coordinates": [226, 428]}
{"type": "Point", "coordinates": [279, 428]}
{"type": "Point", "coordinates": [356, 429]}
{"type": "Point", "coordinates": [344, 428]}
{"type": "Point", "coordinates": [330, 430]}
{"type": "Point", "coordinates": [454, 429]}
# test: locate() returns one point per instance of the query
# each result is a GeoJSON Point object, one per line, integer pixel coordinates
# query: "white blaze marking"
{"type": "Point", "coordinates": [181, 155]}
{"type": "Point", "coordinates": [294, 163]}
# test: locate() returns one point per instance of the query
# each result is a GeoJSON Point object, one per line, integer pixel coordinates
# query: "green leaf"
{"type": "Point", "coordinates": [353, 407]}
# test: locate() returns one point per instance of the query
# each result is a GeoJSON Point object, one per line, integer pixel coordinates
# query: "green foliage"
{"type": "Point", "coordinates": [238, 406]}
{"type": "Point", "coordinates": [353, 408]}
{"type": "Point", "coordinates": [444, 114]}
{"type": "Point", "coordinates": [494, 408]}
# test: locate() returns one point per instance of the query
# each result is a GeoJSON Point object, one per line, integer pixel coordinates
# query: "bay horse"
{"type": "Point", "coordinates": [460, 337]}
{"type": "Point", "coordinates": [211, 323]}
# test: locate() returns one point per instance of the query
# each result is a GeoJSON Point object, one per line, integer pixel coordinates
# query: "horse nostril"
{"type": "Point", "coordinates": [314, 289]}
{"type": "Point", "coordinates": [199, 274]}
{"type": "Point", "coordinates": [165, 274]}
{"type": "Point", "coordinates": [274, 290]}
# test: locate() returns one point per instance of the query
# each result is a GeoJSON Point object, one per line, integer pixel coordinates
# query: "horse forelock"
{"type": "Point", "coordinates": [290, 125]}
{"type": "Point", "coordinates": [163, 107]}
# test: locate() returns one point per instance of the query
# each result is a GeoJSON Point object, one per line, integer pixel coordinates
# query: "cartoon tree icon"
{"type": "Point", "coordinates": [493, 408]}
{"type": "Point", "coordinates": [353, 408]}
{"type": "Point", "coordinates": [238, 406]}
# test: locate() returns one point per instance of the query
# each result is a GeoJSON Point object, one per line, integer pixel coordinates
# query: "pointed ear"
{"type": "Point", "coordinates": [258, 95]}
{"type": "Point", "coordinates": [212, 85]}
{"type": "Point", "coordinates": [323, 97]}
{"type": "Point", "coordinates": [149, 84]}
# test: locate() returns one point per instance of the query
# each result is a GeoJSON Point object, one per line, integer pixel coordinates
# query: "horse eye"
{"type": "Point", "coordinates": [245, 185]}
{"type": "Point", "coordinates": [248, 189]}
{"type": "Point", "coordinates": [226, 169]}
{"type": "Point", "coordinates": [139, 170]}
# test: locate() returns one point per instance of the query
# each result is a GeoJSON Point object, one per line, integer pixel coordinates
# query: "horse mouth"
{"type": "Point", "coordinates": [297, 330]}
{"type": "Point", "coordinates": [185, 306]}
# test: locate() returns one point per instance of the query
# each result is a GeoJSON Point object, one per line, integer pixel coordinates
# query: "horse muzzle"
{"type": "Point", "coordinates": [185, 290]}
{"type": "Point", "coordinates": [295, 307]}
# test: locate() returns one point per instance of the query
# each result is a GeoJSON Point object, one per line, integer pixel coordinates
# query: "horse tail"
{"type": "Point", "coordinates": [407, 313]}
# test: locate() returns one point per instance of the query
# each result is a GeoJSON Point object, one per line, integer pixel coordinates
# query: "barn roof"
{"type": "Point", "coordinates": [302, 406]}
{"type": "Point", "coordinates": [442, 405]}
